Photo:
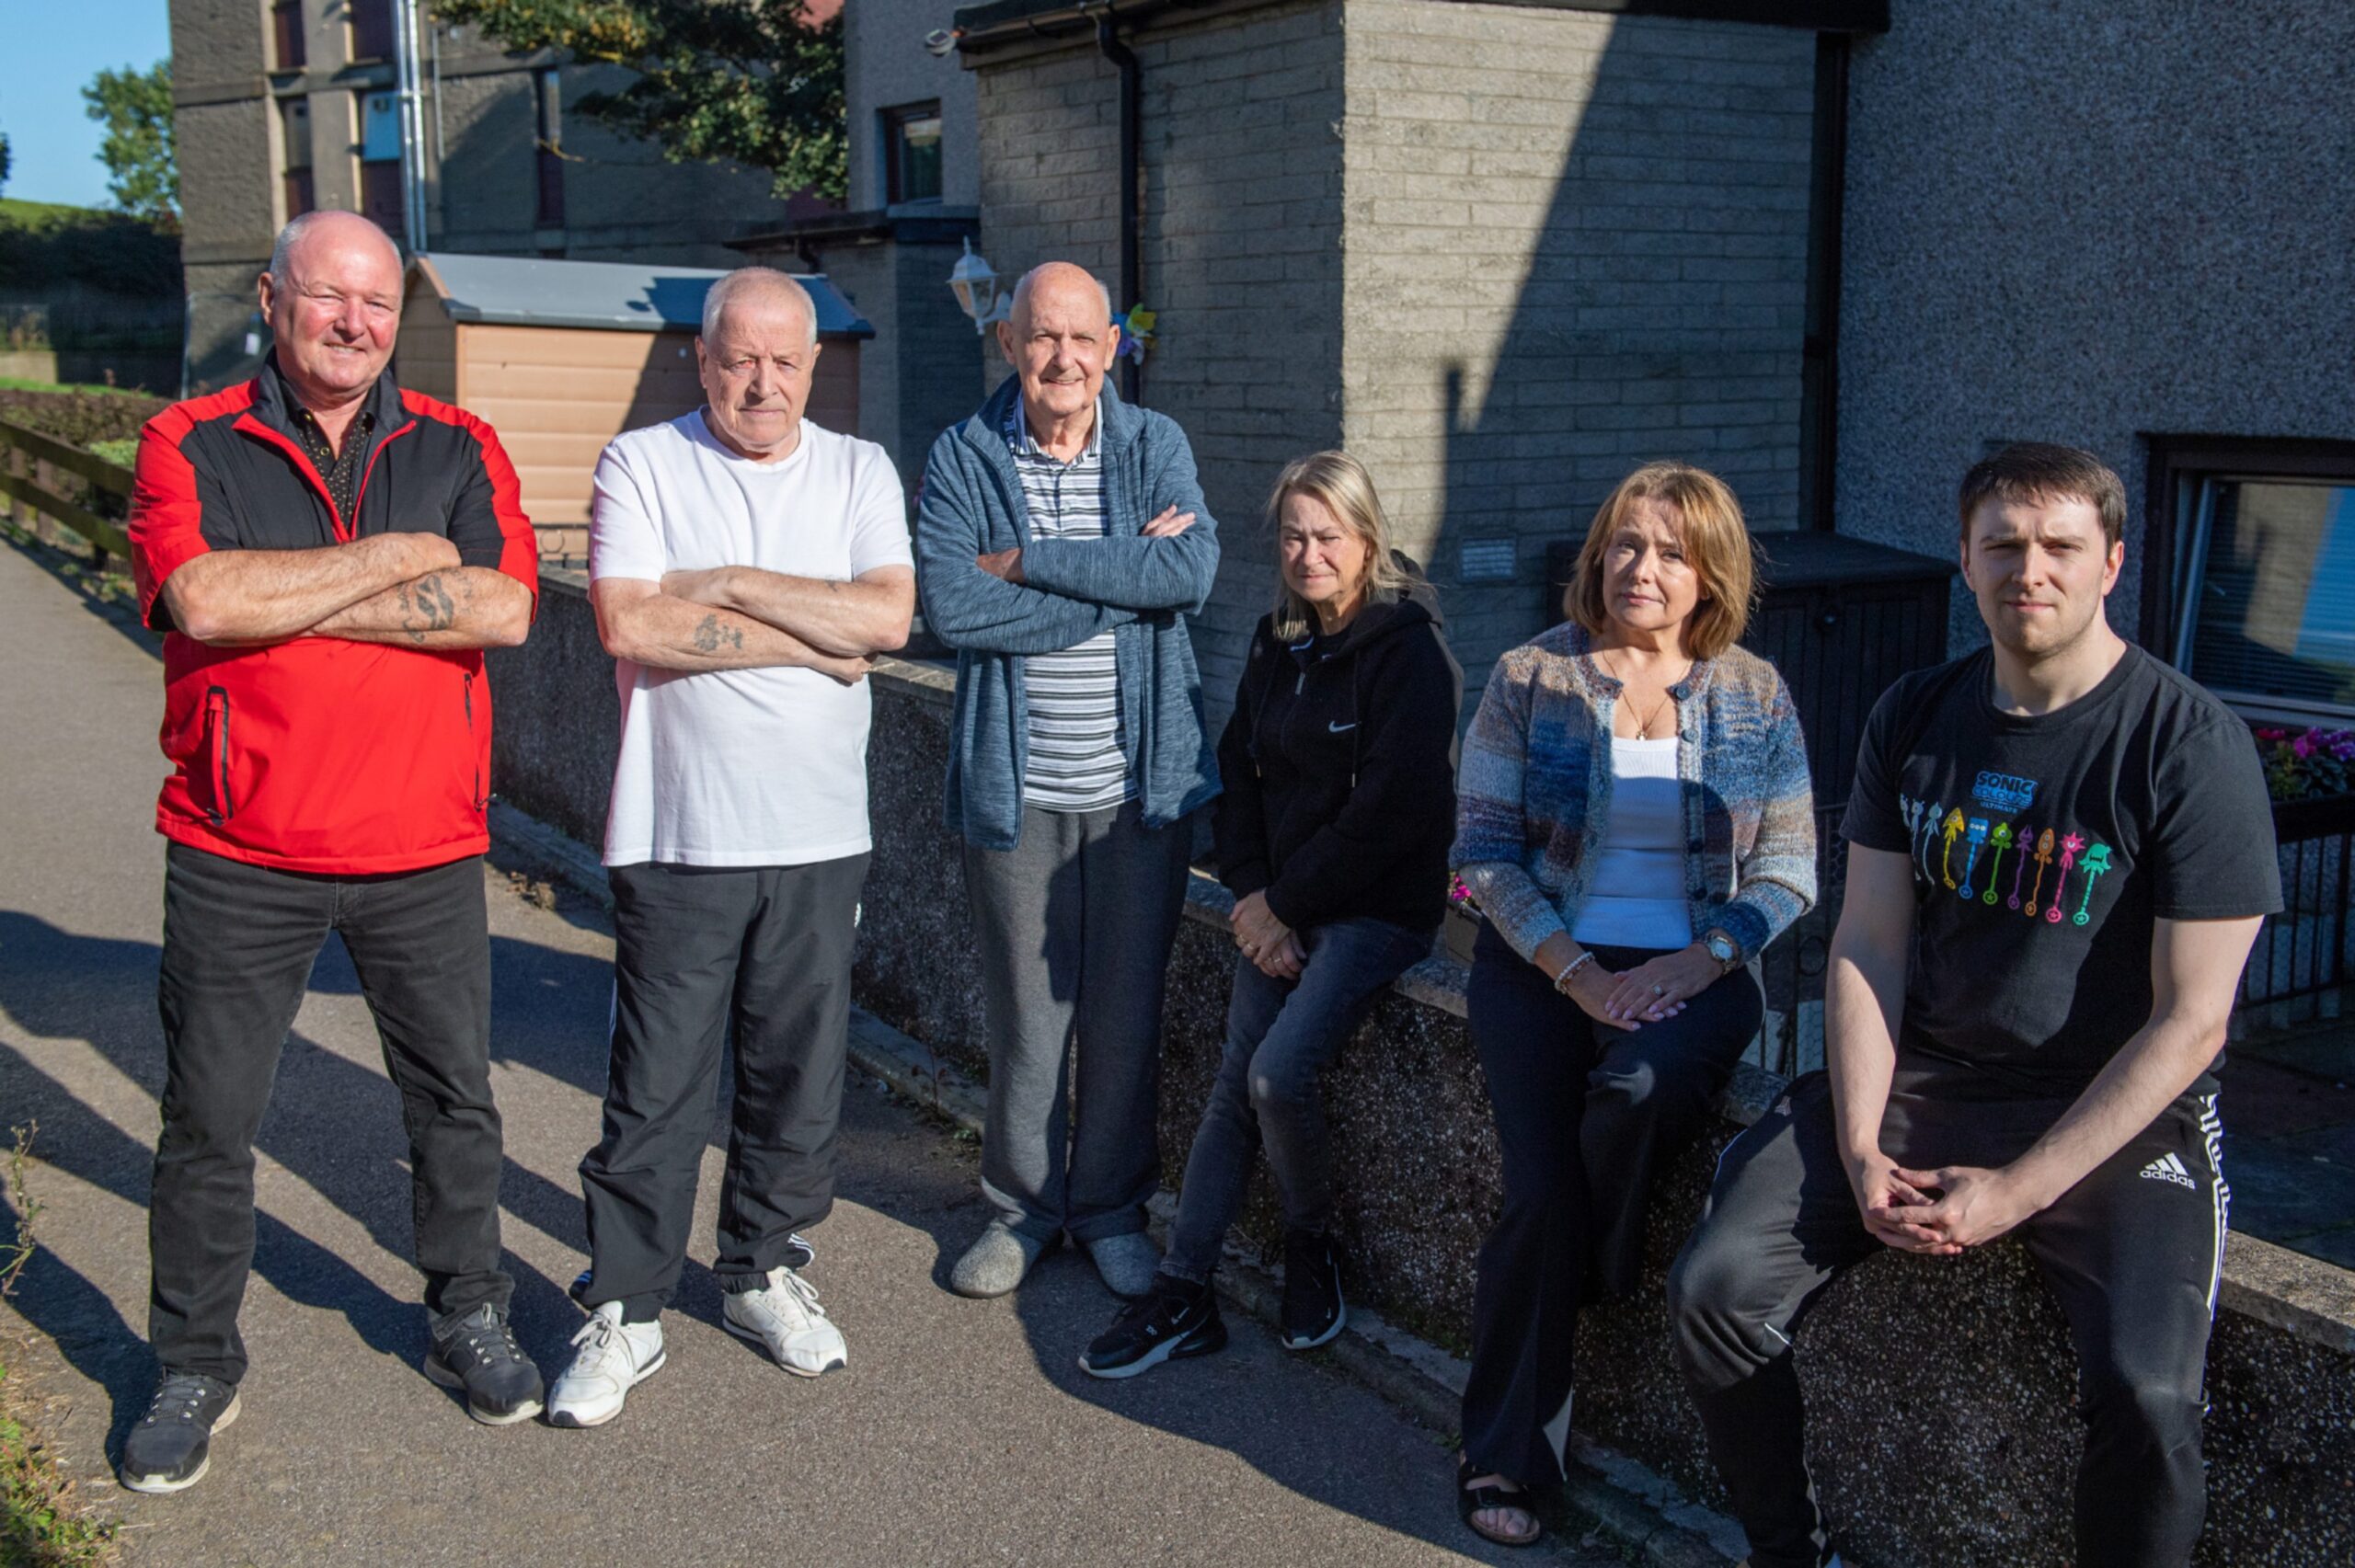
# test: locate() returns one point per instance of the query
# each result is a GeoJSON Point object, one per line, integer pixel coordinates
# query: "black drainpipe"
{"type": "Point", "coordinates": [1819, 352]}
{"type": "Point", "coordinates": [1124, 59]}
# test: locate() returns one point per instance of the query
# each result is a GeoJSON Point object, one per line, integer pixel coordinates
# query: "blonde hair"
{"type": "Point", "coordinates": [1716, 540]}
{"type": "Point", "coordinates": [1341, 483]}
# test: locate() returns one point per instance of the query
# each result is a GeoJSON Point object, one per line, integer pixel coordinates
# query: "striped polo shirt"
{"type": "Point", "coordinates": [1074, 695]}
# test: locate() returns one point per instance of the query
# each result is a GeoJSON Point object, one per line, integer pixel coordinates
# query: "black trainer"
{"type": "Point", "coordinates": [1314, 1312]}
{"type": "Point", "coordinates": [1177, 1320]}
{"type": "Point", "coordinates": [171, 1447]}
{"type": "Point", "coordinates": [478, 1352]}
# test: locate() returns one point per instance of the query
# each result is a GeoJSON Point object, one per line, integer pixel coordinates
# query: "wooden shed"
{"type": "Point", "coordinates": [560, 357]}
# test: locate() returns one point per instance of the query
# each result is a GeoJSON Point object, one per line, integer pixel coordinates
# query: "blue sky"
{"type": "Point", "coordinates": [53, 51]}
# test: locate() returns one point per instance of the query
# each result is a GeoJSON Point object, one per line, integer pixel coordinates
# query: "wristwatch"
{"type": "Point", "coordinates": [1725, 950]}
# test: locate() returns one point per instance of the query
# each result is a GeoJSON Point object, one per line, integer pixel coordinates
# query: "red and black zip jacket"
{"type": "Point", "coordinates": [319, 755]}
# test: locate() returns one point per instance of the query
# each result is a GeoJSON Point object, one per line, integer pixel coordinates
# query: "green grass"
{"type": "Point", "coordinates": [23, 213]}
{"type": "Point", "coordinates": [17, 383]}
{"type": "Point", "coordinates": [42, 1524]}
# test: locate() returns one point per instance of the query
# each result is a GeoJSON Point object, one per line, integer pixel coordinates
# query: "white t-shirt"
{"type": "Point", "coordinates": [1635, 897]}
{"type": "Point", "coordinates": [740, 767]}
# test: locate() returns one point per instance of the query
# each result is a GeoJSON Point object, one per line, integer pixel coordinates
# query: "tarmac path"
{"type": "Point", "coordinates": [961, 1433]}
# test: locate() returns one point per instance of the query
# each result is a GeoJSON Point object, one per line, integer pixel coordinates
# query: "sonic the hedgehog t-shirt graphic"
{"type": "Point", "coordinates": [2043, 847]}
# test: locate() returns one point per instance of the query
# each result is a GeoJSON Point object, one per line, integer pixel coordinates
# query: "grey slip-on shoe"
{"type": "Point", "coordinates": [1128, 1263]}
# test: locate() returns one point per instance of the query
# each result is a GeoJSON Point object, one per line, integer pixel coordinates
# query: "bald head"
{"type": "Point", "coordinates": [329, 230]}
{"type": "Point", "coordinates": [1072, 287]}
{"type": "Point", "coordinates": [333, 300]}
{"type": "Point", "coordinates": [762, 290]}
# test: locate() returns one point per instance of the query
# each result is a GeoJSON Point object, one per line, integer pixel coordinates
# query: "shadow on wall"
{"type": "Point", "coordinates": [1661, 316]}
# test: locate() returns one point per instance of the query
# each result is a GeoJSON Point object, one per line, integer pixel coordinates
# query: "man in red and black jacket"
{"type": "Point", "coordinates": [327, 557]}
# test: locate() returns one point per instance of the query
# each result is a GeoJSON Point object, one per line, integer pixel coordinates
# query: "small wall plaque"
{"type": "Point", "coordinates": [1488, 560]}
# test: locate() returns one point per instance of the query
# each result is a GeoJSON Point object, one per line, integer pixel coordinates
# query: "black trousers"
{"type": "Point", "coordinates": [699, 952]}
{"type": "Point", "coordinates": [2133, 1254]}
{"type": "Point", "coordinates": [1584, 1115]}
{"type": "Point", "coordinates": [238, 944]}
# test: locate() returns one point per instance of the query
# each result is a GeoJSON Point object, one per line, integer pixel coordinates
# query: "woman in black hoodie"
{"type": "Point", "coordinates": [1333, 833]}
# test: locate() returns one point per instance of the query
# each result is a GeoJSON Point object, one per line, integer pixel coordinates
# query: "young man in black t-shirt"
{"type": "Point", "coordinates": [2060, 851]}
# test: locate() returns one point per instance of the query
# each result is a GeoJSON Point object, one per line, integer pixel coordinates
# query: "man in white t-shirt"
{"type": "Point", "coordinates": [745, 566]}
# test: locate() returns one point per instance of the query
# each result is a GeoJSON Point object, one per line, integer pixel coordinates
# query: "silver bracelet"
{"type": "Point", "coordinates": [1562, 980]}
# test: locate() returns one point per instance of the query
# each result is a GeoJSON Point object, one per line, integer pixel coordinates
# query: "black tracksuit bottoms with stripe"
{"type": "Point", "coordinates": [2132, 1253]}
{"type": "Point", "coordinates": [754, 957]}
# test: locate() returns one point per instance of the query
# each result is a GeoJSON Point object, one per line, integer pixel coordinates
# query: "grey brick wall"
{"type": "Point", "coordinates": [1242, 250]}
{"type": "Point", "coordinates": [1503, 253]}
{"type": "Point", "coordinates": [1575, 243]}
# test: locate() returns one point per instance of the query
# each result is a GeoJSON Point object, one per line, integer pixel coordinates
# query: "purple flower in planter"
{"type": "Point", "coordinates": [2305, 745]}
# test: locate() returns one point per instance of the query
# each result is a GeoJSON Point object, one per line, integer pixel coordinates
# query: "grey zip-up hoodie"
{"type": "Point", "coordinates": [1139, 588]}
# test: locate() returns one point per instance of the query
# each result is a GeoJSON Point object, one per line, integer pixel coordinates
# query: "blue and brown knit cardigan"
{"type": "Point", "coordinates": [1536, 772]}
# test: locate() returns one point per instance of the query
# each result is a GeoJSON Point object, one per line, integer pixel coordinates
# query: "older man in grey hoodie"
{"type": "Point", "coordinates": [1060, 540]}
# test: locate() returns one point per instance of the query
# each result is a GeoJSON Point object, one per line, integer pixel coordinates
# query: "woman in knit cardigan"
{"type": "Point", "coordinates": [1635, 820]}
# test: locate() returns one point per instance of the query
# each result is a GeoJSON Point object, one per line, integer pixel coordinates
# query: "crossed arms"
{"type": "Point", "coordinates": [744, 618]}
{"type": "Point", "coordinates": [2195, 969]}
{"type": "Point", "coordinates": [408, 590]}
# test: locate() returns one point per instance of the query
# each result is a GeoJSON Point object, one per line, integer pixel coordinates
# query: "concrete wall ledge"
{"type": "Point", "coordinates": [1957, 1367]}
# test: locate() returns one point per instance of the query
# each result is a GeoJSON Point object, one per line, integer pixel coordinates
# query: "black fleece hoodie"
{"type": "Point", "coordinates": [1339, 770]}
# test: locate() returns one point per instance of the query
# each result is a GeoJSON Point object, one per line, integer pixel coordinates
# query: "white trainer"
{"type": "Point", "coordinates": [784, 1316]}
{"type": "Point", "coordinates": [614, 1358]}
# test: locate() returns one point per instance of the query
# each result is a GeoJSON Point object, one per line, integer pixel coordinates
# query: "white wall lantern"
{"type": "Point", "coordinates": [975, 285]}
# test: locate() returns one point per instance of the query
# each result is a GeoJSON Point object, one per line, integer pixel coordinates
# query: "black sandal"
{"type": "Point", "coordinates": [1471, 1500]}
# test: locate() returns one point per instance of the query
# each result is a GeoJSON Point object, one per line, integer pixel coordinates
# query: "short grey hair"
{"type": "Point", "coordinates": [292, 234]}
{"type": "Point", "coordinates": [1023, 285]}
{"type": "Point", "coordinates": [756, 280]}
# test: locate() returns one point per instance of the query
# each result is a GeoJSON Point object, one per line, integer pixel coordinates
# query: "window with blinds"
{"type": "Point", "coordinates": [2264, 592]}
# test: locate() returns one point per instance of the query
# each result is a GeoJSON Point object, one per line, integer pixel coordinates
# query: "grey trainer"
{"type": "Point", "coordinates": [1128, 1263]}
{"type": "Point", "coordinates": [996, 1264]}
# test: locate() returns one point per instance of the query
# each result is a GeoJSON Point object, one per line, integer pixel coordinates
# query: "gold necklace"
{"type": "Point", "coordinates": [1643, 723]}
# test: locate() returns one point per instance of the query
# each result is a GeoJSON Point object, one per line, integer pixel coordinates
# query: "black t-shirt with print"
{"type": "Point", "coordinates": [2043, 849]}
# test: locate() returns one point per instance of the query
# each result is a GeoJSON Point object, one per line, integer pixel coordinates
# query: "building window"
{"type": "Point", "coordinates": [294, 134]}
{"type": "Point", "coordinates": [372, 30]}
{"type": "Point", "coordinates": [380, 161]}
{"type": "Point", "coordinates": [2259, 604]}
{"type": "Point", "coordinates": [911, 153]}
{"type": "Point", "coordinates": [548, 148]}
{"type": "Point", "coordinates": [286, 34]}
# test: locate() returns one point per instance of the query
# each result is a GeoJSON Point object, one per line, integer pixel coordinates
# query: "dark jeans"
{"type": "Point", "coordinates": [1584, 1115]}
{"type": "Point", "coordinates": [238, 944]}
{"type": "Point", "coordinates": [1280, 1036]}
{"type": "Point", "coordinates": [1074, 926]}
{"type": "Point", "coordinates": [2133, 1254]}
{"type": "Point", "coordinates": [697, 949]}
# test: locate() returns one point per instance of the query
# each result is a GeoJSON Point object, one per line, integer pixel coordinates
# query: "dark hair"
{"type": "Point", "coordinates": [2036, 471]}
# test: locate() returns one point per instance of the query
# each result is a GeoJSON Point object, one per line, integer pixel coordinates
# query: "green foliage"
{"type": "Point", "coordinates": [751, 81]}
{"type": "Point", "coordinates": [136, 108]}
{"type": "Point", "coordinates": [3, 160]}
{"type": "Point", "coordinates": [42, 1524]}
{"type": "Point", "coordinates": [81, 415]}
{"type": "Point", "coordinates": [44, 246]}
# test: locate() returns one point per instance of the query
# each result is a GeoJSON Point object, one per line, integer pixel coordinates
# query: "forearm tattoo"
{"type": "Point", "coordinates": [427, 607]}
{"type": "Point", "coordinates": [711, 637]}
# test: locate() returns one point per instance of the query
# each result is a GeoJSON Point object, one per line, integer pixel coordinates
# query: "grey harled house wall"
{"type": "Point", "coordinates": [2083, 228]}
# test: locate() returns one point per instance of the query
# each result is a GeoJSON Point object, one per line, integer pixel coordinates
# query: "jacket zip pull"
{"type": "Point", "coordinates": [217, 700]}
{"type": "Point", "coordinates": [470, 730]}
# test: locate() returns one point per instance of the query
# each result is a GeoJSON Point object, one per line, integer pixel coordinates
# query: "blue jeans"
{"type": "Point", "coordinates": [1280, 1036]}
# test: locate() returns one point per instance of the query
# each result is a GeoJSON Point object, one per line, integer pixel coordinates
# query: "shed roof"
{"type": "Point", "coordinates": [617, 296]}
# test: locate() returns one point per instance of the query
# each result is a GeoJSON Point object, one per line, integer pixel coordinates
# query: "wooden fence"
{"type": "Point", "coordinates": [31, 465]}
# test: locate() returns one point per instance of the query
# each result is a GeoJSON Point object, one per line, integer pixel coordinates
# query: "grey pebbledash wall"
{"type": "Point", "coordinates": [2089, 224]}
{"type": "Point", "coordinates": [1940, 1390]}
{"type": "Point", "coordinates": [1503, 253]}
